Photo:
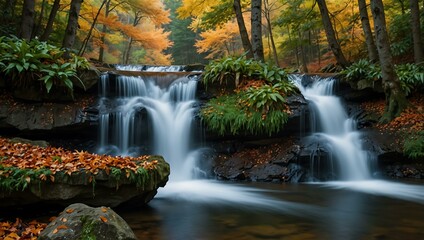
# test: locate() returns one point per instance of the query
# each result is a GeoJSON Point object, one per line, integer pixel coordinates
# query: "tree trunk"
{"type": "Point", "coordinates": [8, 12]}
{"type": "Point", "coordinates": [366, 27]}
{"type": "Point", "coordinates": [331, 36]}
{"type": "Point", "coordinates": [71, 27]}
{"type": "Point", "coordinates": [87, 38]}
{"type": "Point", "coordinates": [268, 20]}
{"type": "Point", "coordinates": [304, 66]}
{"type": "Point", "coordinates": [416, 32]}
{"type": "Point", "coordinates": [247, 46]}
{"type": "Point", "coordinates": [395, 98]}
{"type": "Point", "coordinates": [37, 27]}
{"type": "Point", "coordinates": [27, 23]}
{"type": "Point", "coordinates": [103, 38]}
{"type": "Point", "coordinates": [257, 45]}
{"type": "Point", "coordinates": [127, 53]}
{"type": "Point", "coordinates": [49, 26]}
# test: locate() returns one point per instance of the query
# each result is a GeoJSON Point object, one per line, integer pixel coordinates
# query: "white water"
{"type": "Point", "coordinates": [337, 129]}
{"type": "Point", "coordinates": [335, 126]}
{"type": "Point", "coordinates": [171, 112]}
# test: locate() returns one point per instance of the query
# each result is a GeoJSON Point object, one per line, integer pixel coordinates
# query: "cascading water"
{"type": "Point", "coordinates": [170, 111]}
{"type": "Point", "coordinates": [334, 129]}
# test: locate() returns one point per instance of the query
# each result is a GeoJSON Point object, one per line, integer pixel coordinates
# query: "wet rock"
{"type": "Point", "coordinates": [79, 221]}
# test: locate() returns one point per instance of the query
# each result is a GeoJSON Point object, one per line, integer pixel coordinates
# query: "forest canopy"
{"type": "Point", "coordinates": [192, 31]}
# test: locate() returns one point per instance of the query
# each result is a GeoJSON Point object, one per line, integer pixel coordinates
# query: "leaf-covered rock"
{"type": "Point", "coordinates": [79, 221]}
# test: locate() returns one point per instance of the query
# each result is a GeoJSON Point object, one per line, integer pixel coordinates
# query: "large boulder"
{"type": "Point", "coordinates": [79, 221]}
{"type": "Point", "coordinates": [101, 189]}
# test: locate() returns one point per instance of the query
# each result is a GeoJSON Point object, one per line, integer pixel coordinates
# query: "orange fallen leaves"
{"type": "Point", "coordinates": [26, 156]}
{"type": "Point", "coordinates": [410, 120]}
{"type": "Point", "coordinates": [21, 230]}
{"type": "Point", "coordinates": [103, 218]}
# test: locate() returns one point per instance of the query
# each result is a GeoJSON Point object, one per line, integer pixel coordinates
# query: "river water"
{"type": "Point", "coordinates": [326, 213]}
{"type": "Point", "coordinates": [358, 207]}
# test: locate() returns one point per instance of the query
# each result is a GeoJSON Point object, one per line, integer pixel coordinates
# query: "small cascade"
{"type": "Point", "coordinates": [136, 111]}
{"type": "Point", "coordinates": [334, 131]}
{"type": "Point", "coordinates": [147, 68]}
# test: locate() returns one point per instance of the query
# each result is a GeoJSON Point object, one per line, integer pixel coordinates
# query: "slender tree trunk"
{"type": "Point", "coordinates": [103, 38]}
{"type": "Point", "coordinates": [395, 98]}
{"type": "Point", "coordinates": [27, 24]}
{"type": "Point", "coordinates": [87, 38]}
{"type": "Point", "coordinates": [71, 27]}
{"type": "Point", "coordinates": [366, 27]}
{"type": "Point", "coordinates": [331, 35]}
{"type": "Point", "coordinates": [247, 46]}
{"type": "Point", "coordinates": [49, 26]}
{"type": "Point", "coordinates": [257, 45]}
{"type": "Point", "coordinates": [37, 26]}
{"type": "Point", "coordinates": [268, 20]}
{"type": "Point", "coordinates": [128, 51]}
{"type": "Point", "coordinates": [416, 32]}
{"type": "Point", "coordinates": [303, 54]}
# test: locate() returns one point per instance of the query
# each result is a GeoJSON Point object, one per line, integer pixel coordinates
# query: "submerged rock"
{"type": "Point", "coordinates": [79, 221]}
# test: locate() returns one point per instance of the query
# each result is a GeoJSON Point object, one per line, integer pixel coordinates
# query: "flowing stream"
{"type": "Point", "coordinates": [190, 208]}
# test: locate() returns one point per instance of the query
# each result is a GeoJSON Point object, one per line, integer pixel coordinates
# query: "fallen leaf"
{"type": "Point", "coordinates": [104, 219]}
{"type": "Point", "coordinates": [69, 210]}
{"type": "Point", "coordinates": [104, 209]}
{"type": "Point", "coordinates": [62, 227]}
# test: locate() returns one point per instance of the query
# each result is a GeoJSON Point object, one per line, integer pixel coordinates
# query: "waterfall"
{"type": "Point", "coordinates": [334, 129]}
{"type": "Point", "coordinates": [125, 130]}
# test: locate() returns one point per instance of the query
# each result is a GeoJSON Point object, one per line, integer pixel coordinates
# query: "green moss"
{"type": "Point", "coordinates": [88, 225]}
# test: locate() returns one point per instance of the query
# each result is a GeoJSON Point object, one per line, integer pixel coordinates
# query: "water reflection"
{"type": "Point", "coordinates": [297, 211]}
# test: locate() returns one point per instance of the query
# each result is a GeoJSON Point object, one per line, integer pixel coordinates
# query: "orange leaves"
{"type": "Point", "coordinates": [103, 218]}
{"type": "Point", "coordinates": [26, 156]}
{"type": "Point", "coordinates": [411, 119]}
{"type": "Point", "coordinates": [59, 228]}
{"type": "Point", "coordinates": [21, 230]}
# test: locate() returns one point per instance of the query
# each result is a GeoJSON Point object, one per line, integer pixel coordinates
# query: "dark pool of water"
{"type": "Point", "coordinates": [306, 211]}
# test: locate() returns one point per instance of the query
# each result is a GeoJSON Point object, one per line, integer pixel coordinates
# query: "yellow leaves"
{"type": "Point", "coordinates": [216, 41]}
{"type": "Point", "coordinates": [195, 8]}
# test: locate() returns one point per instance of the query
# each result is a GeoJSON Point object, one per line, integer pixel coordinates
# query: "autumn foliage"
{"type": "Point", "coordinates": [21, 230]}
{"type": "Point", "coordinates": [43, 163]}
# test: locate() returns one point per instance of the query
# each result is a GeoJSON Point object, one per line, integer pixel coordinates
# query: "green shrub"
{"type": "Point", "coordinates": [239, 69]}
{"type": "Point", "coordinates": [230, 69]}
{"type": "Point", "coordinates": [255, 110]}
{"type": "Point", "coordinates": [237, 113]}
{"type": "Point", "coordinates": [28, 62]}
{"type": "Point", "coordinates": [413, 146]}
{"type": "Point", "coordinates": [362, 70]}
{"type": "Point", "coordinates": [411, 76]}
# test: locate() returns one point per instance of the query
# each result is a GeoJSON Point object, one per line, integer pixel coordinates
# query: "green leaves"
{"type": "Point", "coordinates": [25, 62]}
{"type": "Point", "coordinates": [240, 69]}
{"type": "Point", "coordinates": [411, 76]}
{"type": "Point", "coordinates": [413, 146]}
{"type": "Point", "coordinates": [254, 111]}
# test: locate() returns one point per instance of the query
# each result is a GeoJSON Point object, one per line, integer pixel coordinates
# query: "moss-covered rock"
{"type": "Point", "coordinates": [78, 221]}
